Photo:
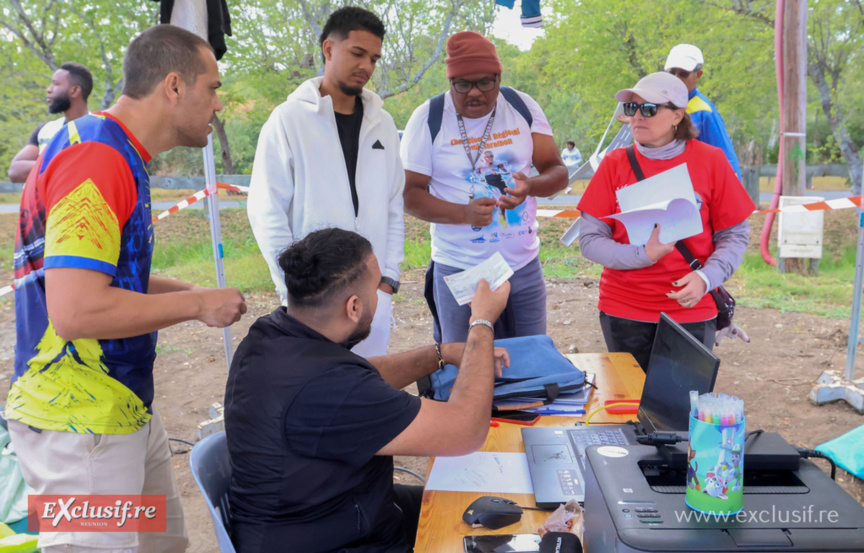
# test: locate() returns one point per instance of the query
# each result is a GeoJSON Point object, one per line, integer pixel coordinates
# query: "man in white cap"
{"type": "Point", "coordinates": [685, 62]}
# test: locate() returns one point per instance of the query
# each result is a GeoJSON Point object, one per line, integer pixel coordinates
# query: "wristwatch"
{"type": "Point", "coordinates": [393, 283]}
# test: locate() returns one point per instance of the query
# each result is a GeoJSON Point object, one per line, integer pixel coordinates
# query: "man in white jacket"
{"type": "Point", "coordinates": [329, 157]}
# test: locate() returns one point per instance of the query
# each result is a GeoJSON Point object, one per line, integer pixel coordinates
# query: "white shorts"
{"type": "Point", "coordinates": [60, 463]}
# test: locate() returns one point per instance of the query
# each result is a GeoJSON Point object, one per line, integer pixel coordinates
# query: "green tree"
{"type": "Point", "coordinates": [835, 46]}
{"type": "Point", "coordinates": [274, 48]}
{"type": "Point", "coordinates": [277, 48]}
{"type": "Point", "coordinates": [592, 48]}
{"type": "Point", "coordinates": [37, 36]}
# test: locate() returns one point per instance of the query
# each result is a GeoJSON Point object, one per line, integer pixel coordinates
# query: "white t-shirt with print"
{"type": "Point", "coordinates": [509, 149]}
{"type": "Point", "coordinates": [572, 158]}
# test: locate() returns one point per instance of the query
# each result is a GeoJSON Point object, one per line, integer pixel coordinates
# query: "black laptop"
{"type": "Point", "coordinates": [678, 363]}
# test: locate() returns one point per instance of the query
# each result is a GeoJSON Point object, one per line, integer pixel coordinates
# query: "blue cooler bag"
{"type": "Point", "coordinates": [537, 370]}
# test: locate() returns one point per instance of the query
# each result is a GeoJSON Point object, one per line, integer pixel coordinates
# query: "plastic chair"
{"type": "Point", "coordinates": [211, 467]}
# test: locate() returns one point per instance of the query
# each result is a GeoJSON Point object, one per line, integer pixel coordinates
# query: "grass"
{"type": "Point", "coordinates": [183, 251]}
{"type": "Point", "coordinates": [828, 294]}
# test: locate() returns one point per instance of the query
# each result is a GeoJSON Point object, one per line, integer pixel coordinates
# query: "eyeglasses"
{"type": "Point", "coordinates": [680, 73]}
{"type": "Point", "coordinates": [483, 85]}
{"type": "Point", "coordinates": [647, 109]}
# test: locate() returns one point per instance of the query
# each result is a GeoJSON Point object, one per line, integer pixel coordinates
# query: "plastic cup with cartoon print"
{"type": "Point", "coordinates": [715, 471]}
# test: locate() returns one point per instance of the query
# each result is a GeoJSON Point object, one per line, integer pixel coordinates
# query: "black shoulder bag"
{"type": "Point", "coordinates": [724, 300]}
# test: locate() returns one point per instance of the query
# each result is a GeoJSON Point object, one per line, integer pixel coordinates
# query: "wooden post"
{"type": "Point", "coordinates": [795, 109]}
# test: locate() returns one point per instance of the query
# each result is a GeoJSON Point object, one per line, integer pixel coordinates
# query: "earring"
{"type": "Point", "coordinates": [674, 128]}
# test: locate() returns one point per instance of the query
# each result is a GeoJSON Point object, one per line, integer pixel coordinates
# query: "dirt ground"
{"type": "Point", "coordinates": [773, 374]}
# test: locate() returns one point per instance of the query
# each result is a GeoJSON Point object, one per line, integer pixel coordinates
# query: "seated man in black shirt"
{"type": "Point", "coordinates": [312, 427]}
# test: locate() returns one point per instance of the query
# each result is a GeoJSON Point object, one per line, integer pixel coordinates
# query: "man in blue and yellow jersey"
{"type": "Point", "coordinates": [87, 306]}
{"type": "Point", "coordinates": [685, 62]}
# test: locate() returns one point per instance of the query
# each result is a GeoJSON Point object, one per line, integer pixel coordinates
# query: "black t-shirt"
{"type": "Point", "coordinates": [34, 137]}
{"type": "Point", "coordinates": [349, 135]}
{"type": "Point", "coordinates": [304, 418]}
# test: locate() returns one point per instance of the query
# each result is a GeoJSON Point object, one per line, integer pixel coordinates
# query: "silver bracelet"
{"type": "Point", "coordinates": [440, 357]}
{"type": "Point", "coordinates": [483, 322]}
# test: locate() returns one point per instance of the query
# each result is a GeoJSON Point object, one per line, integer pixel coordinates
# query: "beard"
{"type": "Point", "coordinates": [350, 90]}
{"type": "Point", "coordinates": [364, 328]}
{"type": "Point", "coordinates": [190, 140]}
{"type": "Point", "coordinates": [59, 105]}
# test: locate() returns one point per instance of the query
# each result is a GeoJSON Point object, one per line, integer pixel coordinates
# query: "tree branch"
{"type": "Point", "coordinates": [314, 21]}
{"type": "Point", "coordinates": [110, 86]}
{"type": "Point", "coordinates": [742, 7]}
{"type": "Point", "coordinates": [34, 43]}
{"type": "Point", "coordinates": [436, 54]}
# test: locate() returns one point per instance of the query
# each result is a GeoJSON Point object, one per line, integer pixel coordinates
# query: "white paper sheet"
{"type": "Point", "coordinates": [463, 285]}
{"type": "Point", "coordinates": [667, 199]}
{"type": "Point", "coordinates": [483, 471]}
{"type": "Point", "coordinates": [678, 219]}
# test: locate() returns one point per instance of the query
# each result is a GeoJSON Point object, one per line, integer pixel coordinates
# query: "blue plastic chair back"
{"type": "Point", "coordinates": [211, 467]}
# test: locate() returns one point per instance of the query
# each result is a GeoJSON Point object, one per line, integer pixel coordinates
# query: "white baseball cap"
{"type": "Point", "coordinates": [657, 88]}
{"type": "Point", "coordinates": [684, 56]}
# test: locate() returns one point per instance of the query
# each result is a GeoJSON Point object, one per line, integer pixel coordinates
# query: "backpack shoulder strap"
{"type": "Point", "coordinates": [634, 163]}
{"type": "Point", "coordinates": [436, 114]}
{"type": "Point", "coordinates": [688, 257]}
{"type": "Point", "coordinates": [517, 102]}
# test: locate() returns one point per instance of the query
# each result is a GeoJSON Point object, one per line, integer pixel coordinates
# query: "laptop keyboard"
{"type": "Point", "coordinates": [584, 437]}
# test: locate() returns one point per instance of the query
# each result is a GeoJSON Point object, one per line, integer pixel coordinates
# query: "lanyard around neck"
{"type": "Point", "coordinates": [480, 147]}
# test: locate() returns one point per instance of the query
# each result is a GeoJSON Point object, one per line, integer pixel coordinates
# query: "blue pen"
{"type": "Point", "coordinates": [560, 412]}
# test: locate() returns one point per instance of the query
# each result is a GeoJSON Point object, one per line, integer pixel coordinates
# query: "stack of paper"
{"type": "Point", "coordinates": [666, 199]}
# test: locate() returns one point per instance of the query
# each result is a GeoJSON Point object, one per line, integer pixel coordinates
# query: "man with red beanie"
{"type": "Point", "coordinates": [467, 155]}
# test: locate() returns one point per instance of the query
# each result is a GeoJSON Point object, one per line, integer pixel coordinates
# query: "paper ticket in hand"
{"type": "Point", "coordinates": [463, 285]}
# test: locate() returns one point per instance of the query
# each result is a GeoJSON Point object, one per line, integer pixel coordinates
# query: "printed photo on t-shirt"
{"type": "Point", "coordinates": [492, 174]}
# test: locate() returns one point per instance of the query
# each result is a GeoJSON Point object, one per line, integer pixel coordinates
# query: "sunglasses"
{"type": "Point", "coordinates": [647, 109]}
{"type": "Point", "coordinates": [680, 73]}
{"type": "Point", "coordinates": [483, 85]}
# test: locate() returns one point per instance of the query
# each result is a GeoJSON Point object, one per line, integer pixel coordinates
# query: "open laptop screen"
{"type": "Point", "coordinates": [679, 363]}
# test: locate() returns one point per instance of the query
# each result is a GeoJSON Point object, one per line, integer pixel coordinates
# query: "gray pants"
{"type": "Point", "coordinates": [525, 314]}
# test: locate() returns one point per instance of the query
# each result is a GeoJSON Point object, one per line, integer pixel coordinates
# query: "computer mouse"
{"type": "Point", "coordinates": [492, 512]}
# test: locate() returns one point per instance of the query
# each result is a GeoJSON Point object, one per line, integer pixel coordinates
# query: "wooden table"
{"type": "Point", "coordinates": [441, 528]}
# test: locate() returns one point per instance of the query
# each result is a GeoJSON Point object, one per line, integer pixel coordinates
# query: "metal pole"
{"type": "Point", "coordinates": [852, 346]}
{"type": "Point", "coordinates": [216, 235]}
{"type": "Point", "coordinates": [192, 16]}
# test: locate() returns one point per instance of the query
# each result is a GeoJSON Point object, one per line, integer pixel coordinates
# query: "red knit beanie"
{"type": "Point", "coordinates": [470, 52]}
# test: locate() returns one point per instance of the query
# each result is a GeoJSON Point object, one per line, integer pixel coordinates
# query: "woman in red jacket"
{"type": "Point", "coordinates": [641, 281]}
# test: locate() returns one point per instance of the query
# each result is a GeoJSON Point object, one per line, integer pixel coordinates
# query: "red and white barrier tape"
{"type": "Point", "coordinates": [839, 203]}
{"type": "Point", "coordinates": [200, 195]}
{"type": "Point", "coordinates": [828, 205]}
{"type": "Point", "coordinates": [565, 213]}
